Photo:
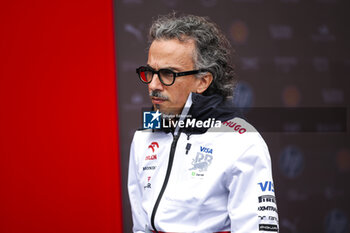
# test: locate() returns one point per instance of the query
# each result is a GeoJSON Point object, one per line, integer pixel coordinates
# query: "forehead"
{"type": "Point", "coordinates": [171, 53]}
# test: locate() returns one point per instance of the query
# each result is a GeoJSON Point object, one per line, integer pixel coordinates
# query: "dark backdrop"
{"type": "Point", "coordinates": [291, 53]}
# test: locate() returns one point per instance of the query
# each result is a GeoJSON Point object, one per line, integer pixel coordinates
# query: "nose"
{"type": "Point", "coordinates": [155, 84]}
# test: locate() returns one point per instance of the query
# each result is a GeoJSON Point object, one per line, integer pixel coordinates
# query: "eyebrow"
{"type": "Point", "coordinates": [168, 67]}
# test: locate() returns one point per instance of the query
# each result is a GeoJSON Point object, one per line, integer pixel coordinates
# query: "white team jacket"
{"type": "Point", "coordinates": [217, 181]}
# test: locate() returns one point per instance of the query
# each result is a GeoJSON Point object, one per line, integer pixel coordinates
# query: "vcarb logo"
{"type": "Point", "coordinates": [266, 186]}
{"type": "Point", "coordinates": [267, 198]}
{"type": "Point", "coordinates": [267, 208]}
{"type": "Point", "coordinates": [201, 162]}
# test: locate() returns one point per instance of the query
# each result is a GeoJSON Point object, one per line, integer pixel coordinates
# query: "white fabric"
{"type": "Point", "coordinates": [214, 187]}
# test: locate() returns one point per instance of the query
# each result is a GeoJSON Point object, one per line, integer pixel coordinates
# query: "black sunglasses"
{"type": "Point", "coordinates": [166, 76]}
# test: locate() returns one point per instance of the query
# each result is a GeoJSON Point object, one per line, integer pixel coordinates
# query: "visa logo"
{"type": "Point", "coordinates": [266, 186]}
{"type": "Point", "coordinates": [206, 150]}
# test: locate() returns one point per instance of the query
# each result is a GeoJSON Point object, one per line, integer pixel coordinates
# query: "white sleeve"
{"type": "Point", "coordinates": [135, 192]}
{"type": "Point", "coordinates": [251, 202]}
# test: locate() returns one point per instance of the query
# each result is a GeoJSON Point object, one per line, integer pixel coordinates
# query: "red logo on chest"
{"type": "Point", "coordinates": [152, 148]}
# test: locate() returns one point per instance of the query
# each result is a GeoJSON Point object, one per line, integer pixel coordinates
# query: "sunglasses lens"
{"type": "Point", "coordinates": [167, 76]}
{"type": "Point", "coordinates": [145, 75]}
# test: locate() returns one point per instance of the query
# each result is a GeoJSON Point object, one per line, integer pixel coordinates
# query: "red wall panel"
{"type": "Point", "coordinates": [59, 152]}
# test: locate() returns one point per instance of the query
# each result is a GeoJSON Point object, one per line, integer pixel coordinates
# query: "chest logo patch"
{"type": "Point", "coordinates": [152, 148]}
{"type": "Point", "coordinates": [201, 162]}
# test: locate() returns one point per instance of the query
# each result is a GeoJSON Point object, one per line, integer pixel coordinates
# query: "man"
{"type": "Point", "coordinates": [190, 176]}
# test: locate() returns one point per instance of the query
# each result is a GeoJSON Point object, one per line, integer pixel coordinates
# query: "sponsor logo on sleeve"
{"type": "Point", "coordinates": [235, 126]}
{"type": "Point", "coordinates": [266, 186]}
{"type": "Point", "coordinates": [267, 208]}
{"type": "Point", "coordinates": [271, 218]}
{"type": "Point", "coordinates": [268, 227]}
{"type": "Point", "coordinates": [267, 198]}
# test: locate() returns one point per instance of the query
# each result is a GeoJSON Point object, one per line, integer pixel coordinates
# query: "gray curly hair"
{"type": "Point", "coordinates": [213, 50]}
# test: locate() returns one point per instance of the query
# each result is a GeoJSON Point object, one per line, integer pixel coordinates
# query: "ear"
{"type": "Point", "coordinates": [204, 82]}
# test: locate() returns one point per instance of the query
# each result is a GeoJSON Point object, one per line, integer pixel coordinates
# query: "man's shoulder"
{"type": "Point", "coordinates": [144, 134]}
{"type": "Point", "coordinates": [239, 125]}
{"type": "Point", "coordinates": [238, 130]}
{"type": "Point", "coordinates": [235, 125]}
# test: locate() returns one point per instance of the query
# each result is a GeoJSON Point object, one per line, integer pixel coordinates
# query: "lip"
{"type": "Point", "coordinates": [157, 101]}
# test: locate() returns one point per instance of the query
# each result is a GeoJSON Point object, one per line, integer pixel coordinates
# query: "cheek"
{"type": "Point", "coordinates": [186, 88]}
{"type": "Point", "coordinates": [180, 90]}
{"type": "Point", "coordinates": [180, 98]}
{"type": "Point", "coordinates": [190, 85]}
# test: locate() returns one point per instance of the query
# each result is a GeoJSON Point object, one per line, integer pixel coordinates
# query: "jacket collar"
{"type": "Point", "coordinates": [202, 108]}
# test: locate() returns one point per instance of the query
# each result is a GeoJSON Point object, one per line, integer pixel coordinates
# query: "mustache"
{"type": "Point", "coordinates": [158, 94]}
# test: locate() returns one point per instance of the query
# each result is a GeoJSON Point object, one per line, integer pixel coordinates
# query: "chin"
{"type": "Point", "coordinates": [156, 107]}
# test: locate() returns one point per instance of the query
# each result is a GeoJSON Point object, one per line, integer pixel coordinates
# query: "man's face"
{"type": "Point", "coordinates": [177, 56]}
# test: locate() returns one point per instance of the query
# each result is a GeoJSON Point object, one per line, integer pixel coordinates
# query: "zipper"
{"type": "Point", "coordinates": [165, 183]}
